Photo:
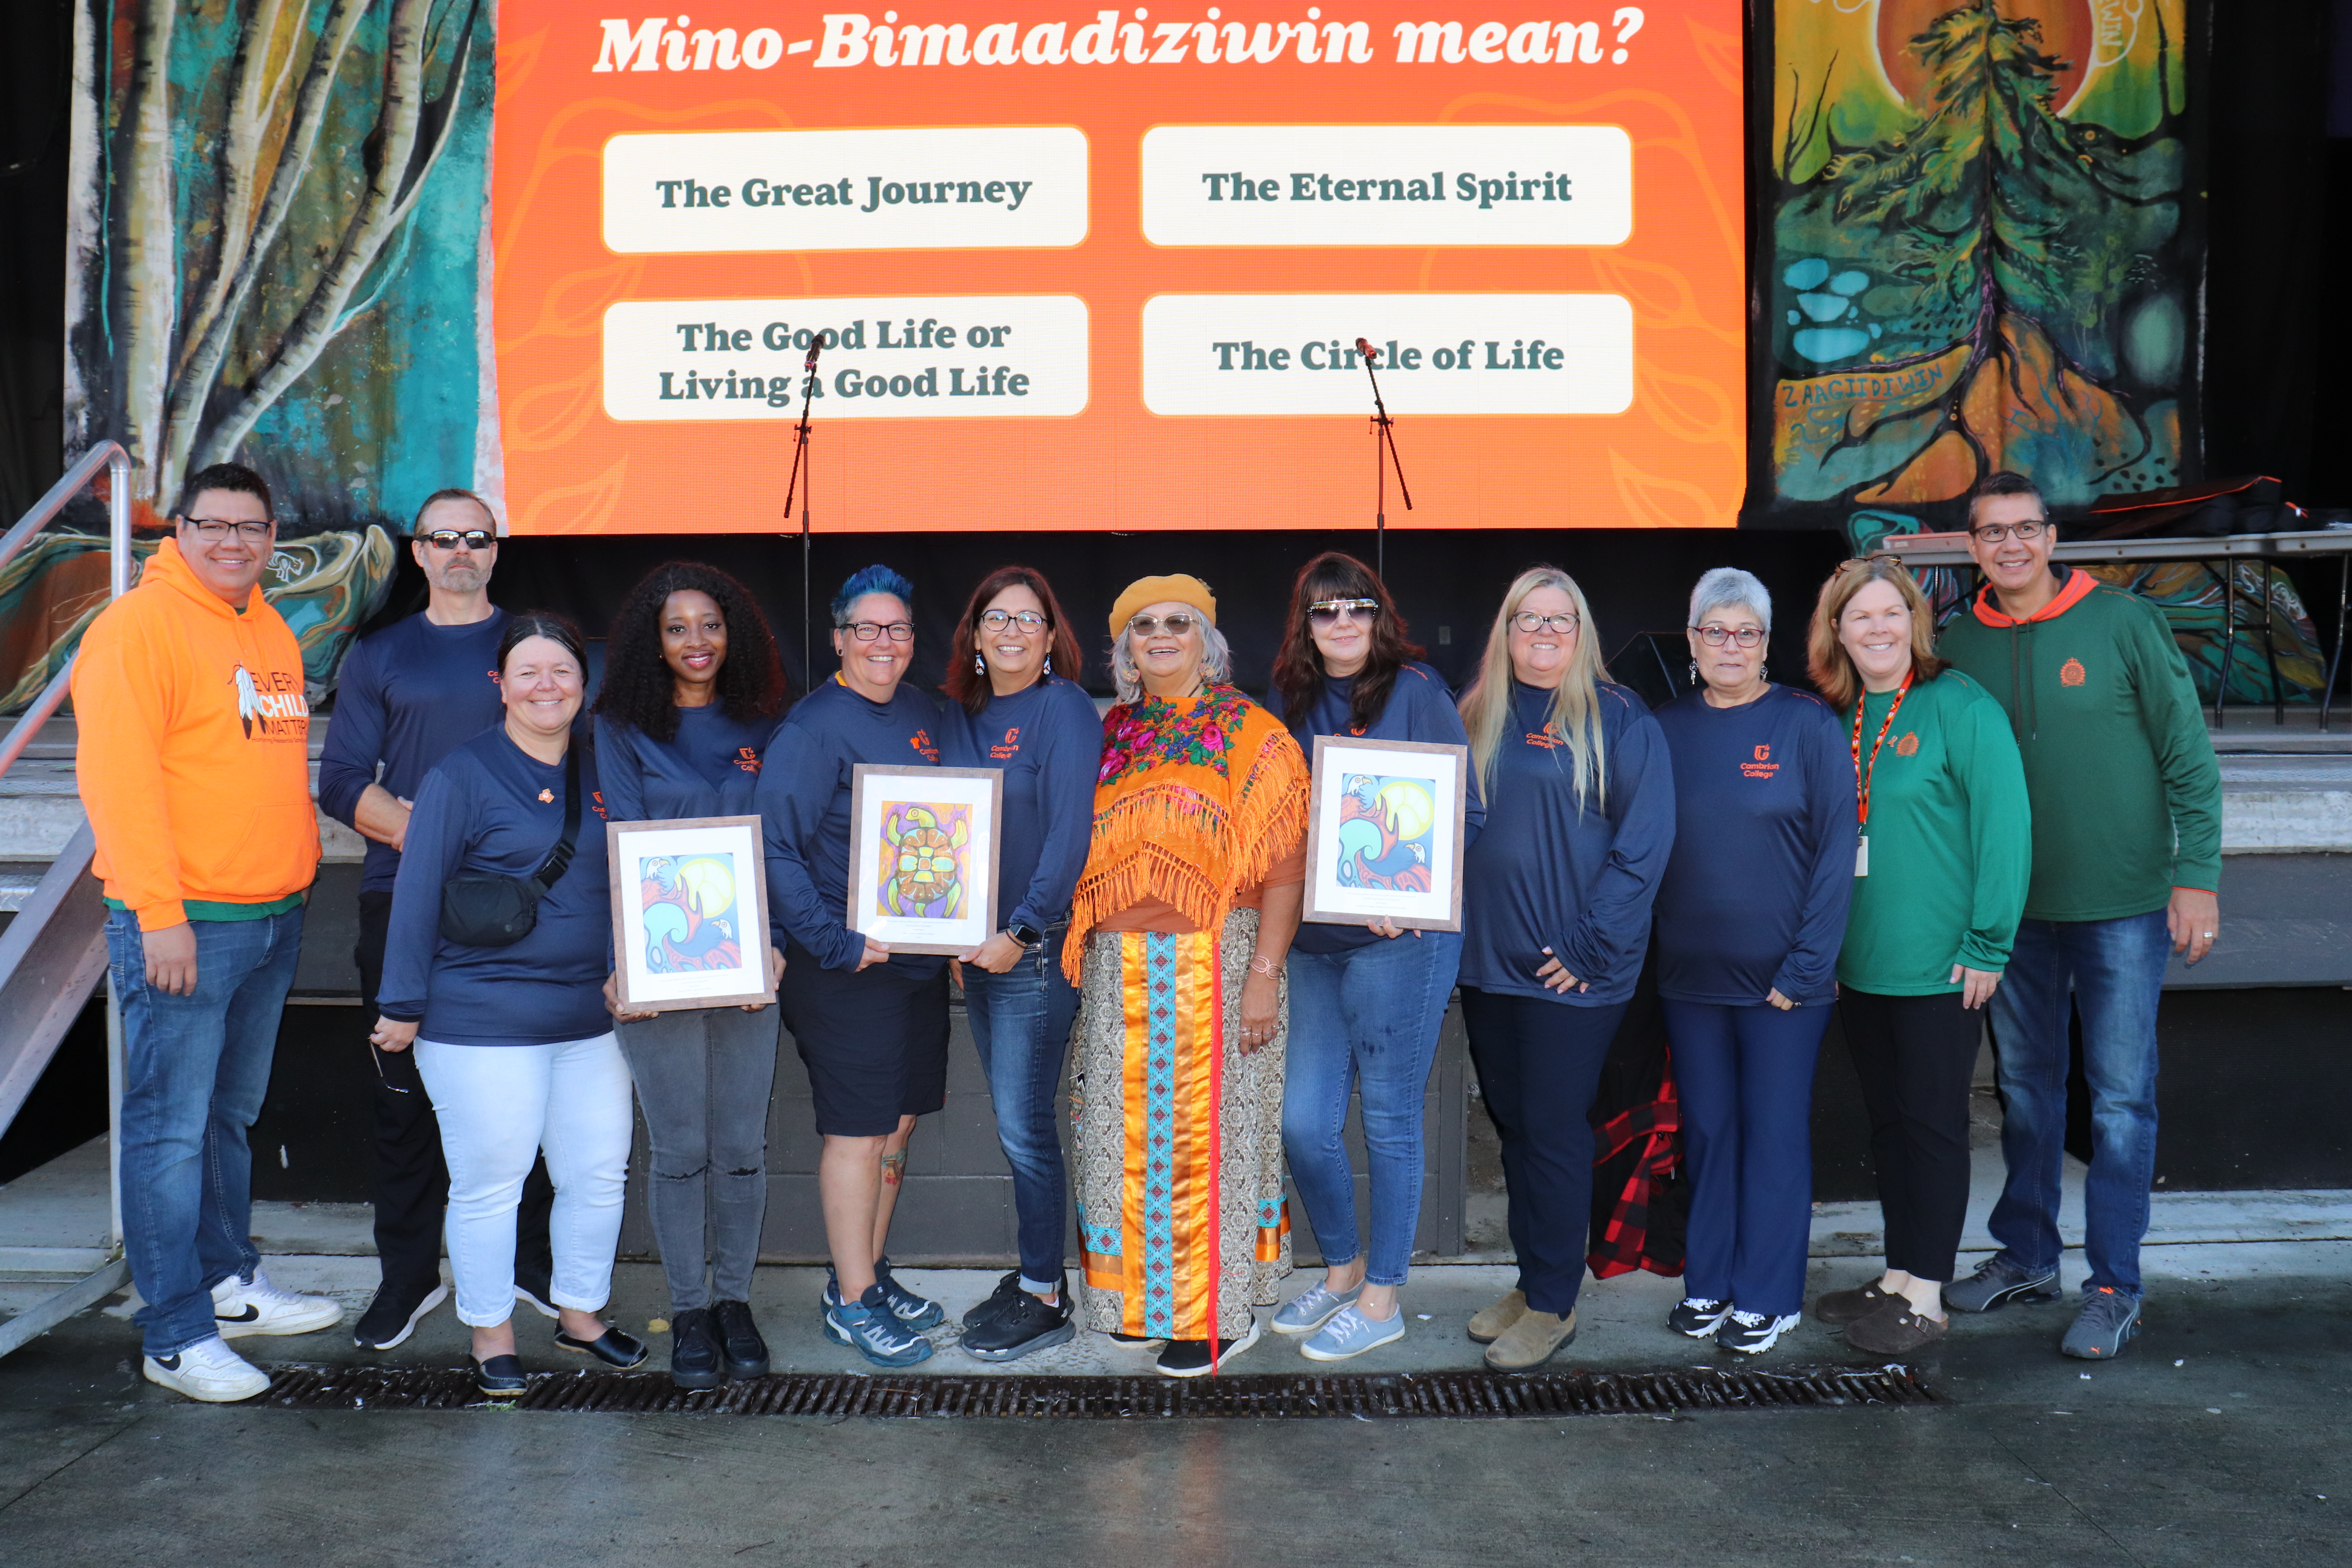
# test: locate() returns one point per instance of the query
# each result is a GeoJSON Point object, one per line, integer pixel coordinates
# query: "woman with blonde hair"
{"type": "Point", "coordinates": [1179, 929]}
{"type": "Point", "coordinates": [1943, 850]}
{"type": "Point", "coordinates": [1556, 919]}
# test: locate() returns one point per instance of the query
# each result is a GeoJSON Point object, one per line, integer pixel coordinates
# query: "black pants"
{"type": "Point", "coordinates": [1538, 1069]}
{"type": "Point", "coordinates": [1916, 1055]}
{"type": "Point", "coordinates": [412, 1180]}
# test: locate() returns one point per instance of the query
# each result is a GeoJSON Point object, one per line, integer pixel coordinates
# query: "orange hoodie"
{"type": "Point", "coordinates": [195, 759]}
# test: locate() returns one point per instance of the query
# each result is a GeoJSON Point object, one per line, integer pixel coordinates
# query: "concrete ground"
{"type": "Point", "coordinates": [2220, 1438]}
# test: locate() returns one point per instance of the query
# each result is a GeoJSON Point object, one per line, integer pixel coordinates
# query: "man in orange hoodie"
{"type": "Point", "coordinates": [193, 765]}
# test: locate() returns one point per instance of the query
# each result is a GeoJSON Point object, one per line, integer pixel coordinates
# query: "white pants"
{"type": "Point", "coordinates": [498, 1106]}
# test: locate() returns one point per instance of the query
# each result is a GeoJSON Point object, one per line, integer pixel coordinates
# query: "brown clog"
{"type": "Point", "coordinates": [1895, 1330]}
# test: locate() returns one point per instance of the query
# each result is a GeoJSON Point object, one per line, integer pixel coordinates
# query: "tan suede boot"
{"type": "Point", "coordinates": [1530, 1341]}
{"type": "Point", "coordinates": [1488, 1325]}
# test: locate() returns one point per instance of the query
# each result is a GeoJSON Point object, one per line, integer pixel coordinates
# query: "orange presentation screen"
{"type": "Point", "coordinates": [1073, 268]}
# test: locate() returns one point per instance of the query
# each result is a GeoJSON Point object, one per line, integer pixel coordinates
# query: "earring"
{"type": "Point", "coordinates": [1049, 664]}
{"type": "Point", "coordinates": [1694, 681]}
{"type": "Point", "coordinates": [980, 664]}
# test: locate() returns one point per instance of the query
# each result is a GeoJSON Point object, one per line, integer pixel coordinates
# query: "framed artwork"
{"type": "Point", "coordinates": [689, 912]}
{"type": "Point", "coordinates": [924, 848]}
{"type": "Point", "coordinates": [1384, 833]}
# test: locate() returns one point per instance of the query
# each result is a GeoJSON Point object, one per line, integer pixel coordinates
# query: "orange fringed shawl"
{"type": "Point", "coordinates": [1194, 802]}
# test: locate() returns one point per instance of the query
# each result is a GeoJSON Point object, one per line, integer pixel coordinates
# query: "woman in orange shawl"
{"type": "Point", "coordinates": [1183, 916]}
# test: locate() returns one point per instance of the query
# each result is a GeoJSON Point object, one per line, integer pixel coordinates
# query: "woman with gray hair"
{"type": "Point", "coordinates": [1751, 915]}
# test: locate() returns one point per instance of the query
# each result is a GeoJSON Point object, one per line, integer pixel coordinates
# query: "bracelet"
{"type": "Point", "coordinates": [1261, 964]}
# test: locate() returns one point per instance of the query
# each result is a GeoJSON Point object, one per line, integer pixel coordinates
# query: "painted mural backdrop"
{"type": "Point", "coordinates": [1977, 258]}
{"type": "Point", "coordinates": [274, 259]}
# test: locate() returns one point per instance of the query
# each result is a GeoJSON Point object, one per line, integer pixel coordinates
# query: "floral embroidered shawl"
{"type": "Point", "coordinates": [1194, 802]}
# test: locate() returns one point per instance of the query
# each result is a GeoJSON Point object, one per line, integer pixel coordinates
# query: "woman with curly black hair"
{"type": "Point", "coordinates": [693, 688]}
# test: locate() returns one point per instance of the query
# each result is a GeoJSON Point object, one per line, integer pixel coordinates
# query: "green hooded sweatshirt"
{"type": "Point", "coordinates": [2127, 796]}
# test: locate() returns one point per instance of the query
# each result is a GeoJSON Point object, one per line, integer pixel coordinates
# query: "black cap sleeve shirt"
{"type": "Point", "coordinates": [1754, 898]}
{"type": "Point", "coordinates": [1550, 872]}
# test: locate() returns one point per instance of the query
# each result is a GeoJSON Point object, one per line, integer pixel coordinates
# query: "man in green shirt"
{"type": "Point", "coordinates": [2126, 861]}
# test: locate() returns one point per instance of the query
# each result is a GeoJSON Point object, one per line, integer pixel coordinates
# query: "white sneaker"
{"type": "Point", "coordinates": [260, 1308]}
{"type": "Point", "coordinates": [208, 1371]}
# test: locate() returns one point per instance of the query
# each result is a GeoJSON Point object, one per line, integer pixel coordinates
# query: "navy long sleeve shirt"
{"type": "Point", "coordinates": [407, 698]}
{"type": "Point", "coordinates": [709, 768]}
{"type": "Point", "coordinates": [1048, 739]}
{"type": "Point", "coordinates": [1754, 898]}
{"type": "Point", "coordinates": [804, 794]}
{"type": "Point", "coordinates": [1548, 873]}
{"type": "Point", "coordinates": [492, 806]}
{"type": "Point", "coordinates": [1420, 708]}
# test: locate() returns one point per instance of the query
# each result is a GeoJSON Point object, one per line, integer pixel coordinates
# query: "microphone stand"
{"type": "Point", "coordinates": [801, 482]}
{"type": "Point", "coordinates": [1384, 457]}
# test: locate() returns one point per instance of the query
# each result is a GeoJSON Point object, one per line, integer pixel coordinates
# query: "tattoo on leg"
{"type": "Point", "coordinates": [893, 1167]}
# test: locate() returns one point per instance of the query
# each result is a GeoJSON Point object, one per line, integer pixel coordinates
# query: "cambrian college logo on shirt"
{"type": "Point", "coordinates": [272, 703]}
{"type": "Point", "coordinates": [1761, 766]}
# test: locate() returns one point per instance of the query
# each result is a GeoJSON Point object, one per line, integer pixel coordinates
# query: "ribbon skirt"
{"type": "Point", "coordinates": [1179, 1136]}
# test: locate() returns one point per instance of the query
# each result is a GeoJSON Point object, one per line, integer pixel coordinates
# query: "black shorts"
{"type": "Point", "coordinates": [875, 1042]}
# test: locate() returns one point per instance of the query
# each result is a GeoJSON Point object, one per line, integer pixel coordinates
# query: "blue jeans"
{"type": "Point", "coordinates": [1021, 1022]}
{"type": "Point", "coordinates": [1745, 1077]}
{"type": "Point", "coordinates": [1364, 1020]}
{"type": "Point", "coordinates": [2116, 970]}
{"type": "Point", "coordinates": [195, 1068]}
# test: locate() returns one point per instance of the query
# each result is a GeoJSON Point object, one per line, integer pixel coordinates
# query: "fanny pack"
{"type": "Point", "coordinates": [488, 909]}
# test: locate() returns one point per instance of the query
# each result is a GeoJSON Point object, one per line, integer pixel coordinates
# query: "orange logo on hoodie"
{"type": "Point", "coordinates": [2072, 673]}
{"type": "Point", "coordinates": [1908, 746]}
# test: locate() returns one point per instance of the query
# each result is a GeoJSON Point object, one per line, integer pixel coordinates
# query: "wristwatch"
{"type": "Point", "coordinates": [1024, 935]}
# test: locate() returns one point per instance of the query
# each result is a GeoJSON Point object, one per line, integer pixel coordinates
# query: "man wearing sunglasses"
{"type": "Point", "coordinates": [2127, 862]}
{"type": "Point", "coordinates": [406, 697]}
{"type": "Point", "coordinates": [193, 765]}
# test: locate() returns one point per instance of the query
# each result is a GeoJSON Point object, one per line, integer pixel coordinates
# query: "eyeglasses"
{"type": "Point", "coordinates": [866, 631]}
{"type": "Point", "coordinates": [1528, 621]}
{"type": "Point", "coordinates": [1715, 636]}
{"type": "Point", "coordinates": [1150, 626]}
{"type": "Point", "coordinates": [450, 537]}
{"type": "Point", "coordinates": [1330, 611]}
{"type": "Point", "coordinates": [998, 620]}
{"type": "Point", "coordinates": [213, 530]}
{"type": "Point", "coordinates": [1994, 533]}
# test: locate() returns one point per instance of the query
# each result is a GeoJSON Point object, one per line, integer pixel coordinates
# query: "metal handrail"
{"type": "Point", "coordinates": [111, 457]}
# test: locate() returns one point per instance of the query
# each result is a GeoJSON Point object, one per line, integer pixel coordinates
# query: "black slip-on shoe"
{"type": "Point", "coordinates": [1022, 1328]}
{"type": "Point", "coordinates": [394, 1313]}
{"type": "Point", "coordinates": [738, 1338]}
{"type": "Point", "coordinates": [613, 1347]}
{"type": "Point", "coordinates": [693, 1350]}
{"type": "Point", "coordinates": [500, 1377]}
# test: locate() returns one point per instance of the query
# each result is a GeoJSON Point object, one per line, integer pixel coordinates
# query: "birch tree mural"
{"type": "Point", "coordinates": [259, 175]}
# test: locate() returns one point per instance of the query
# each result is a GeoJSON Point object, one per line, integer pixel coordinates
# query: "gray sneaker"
{"type": "Point", "coordinates": [1306, 1313]}
{"type": "Point", "coordinates": [1350, 1333]}
{"type": "Point", "coordinates": [1997, 1283]}
{"type": "Point", "coordinates": [2108, 1322]}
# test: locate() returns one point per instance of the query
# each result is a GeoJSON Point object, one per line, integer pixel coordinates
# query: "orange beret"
{"type": "Point", "coordinates": [1179, 589]}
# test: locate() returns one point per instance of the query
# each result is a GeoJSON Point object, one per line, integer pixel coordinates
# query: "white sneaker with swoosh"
{"type": "Point", "coordinates": [254, 1306]}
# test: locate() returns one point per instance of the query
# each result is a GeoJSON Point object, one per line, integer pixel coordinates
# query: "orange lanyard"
{"type": "Point", "coordinates": [1862, 776]}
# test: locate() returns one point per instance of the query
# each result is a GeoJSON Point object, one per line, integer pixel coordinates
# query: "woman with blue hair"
{"type": "Point", "coordinates": [1751, 915]}
{"type": "Point", "coordinates": [871, 1027]}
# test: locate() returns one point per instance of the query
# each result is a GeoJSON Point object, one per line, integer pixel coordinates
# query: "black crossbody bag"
{"type": "Point", "coordinates": [489, 909]}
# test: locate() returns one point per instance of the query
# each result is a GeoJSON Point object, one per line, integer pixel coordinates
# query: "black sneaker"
{"type": "Point", "coordinates": [998, 1301]}
{"type": "Point", "coordinates": [1997, 1283]}
{"type": "Point", "coordinates": [738, 1338]}
{"type": "Point", "coordinates": [393, 1315]}
{"type": "Point", "coordinates": [693, 1350]}
{"type": "Point", "coordinates": [1021, 1327]}
{"type": "Point", "coordinates": [1697, 1316]}
{"type": "Point", "coordinates": [1753, 1334]}
{"type": "Point", "coordinates": [535, 1287]}
{"type": "Point", "coordinates": [1190, 1358]}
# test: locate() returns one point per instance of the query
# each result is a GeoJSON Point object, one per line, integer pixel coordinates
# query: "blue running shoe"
{"type": "Point", "coordinates": [912, 1312]}
{"type": "Point", "coordinates": [868, 1327]}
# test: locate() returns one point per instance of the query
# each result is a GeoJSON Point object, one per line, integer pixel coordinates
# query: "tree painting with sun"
{"type": "Point", "coordinates": [1977, 261]}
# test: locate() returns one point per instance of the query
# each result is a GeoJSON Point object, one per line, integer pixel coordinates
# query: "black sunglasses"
{"type": "Point", "coordinates": [450, 537]}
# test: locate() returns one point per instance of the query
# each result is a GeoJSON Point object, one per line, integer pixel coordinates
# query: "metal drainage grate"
{"type": "Point", "coordinates": [1473, 1394]}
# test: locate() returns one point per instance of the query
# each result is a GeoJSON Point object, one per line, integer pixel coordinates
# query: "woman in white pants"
{"type": "Point", "coordinates": [512, 1036]}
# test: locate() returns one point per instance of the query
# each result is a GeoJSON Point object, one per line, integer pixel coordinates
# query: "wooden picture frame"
{"type": "Point", "coordinates": [1403, 803]}
{"type": "Point", "coordinates": [676, 944]}
{"type": "Point", "coordinates": [914, 832]}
